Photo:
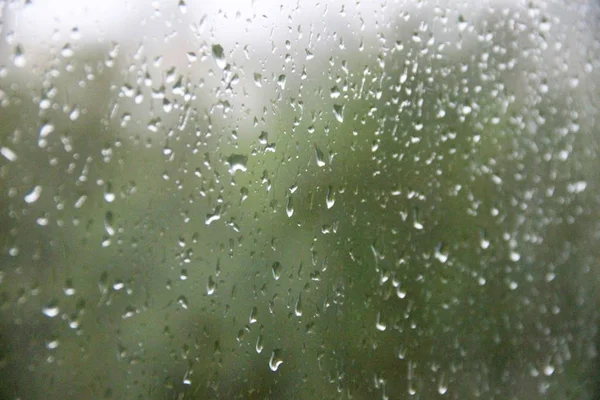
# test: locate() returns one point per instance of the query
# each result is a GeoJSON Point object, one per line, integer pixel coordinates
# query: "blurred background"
{"type": "Point", "coordinates": [259, 199]}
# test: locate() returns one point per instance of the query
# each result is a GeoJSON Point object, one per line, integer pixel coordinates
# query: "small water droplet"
{"type": "Point", "coordinates": [109, 196]}
{"type": "Point", "coordinates": [320, 157]}
{"type": "Point", "coordinates": [275, 360]}
{"type": "Point", "coordinates": [183, 302]}
{"type": "Point", "coordinates": [52, 344]}
{"type": "Point", "coordinates": [182, 7]}
{"type": "Point", "coordinates": [259, 344]}
{"type": "Point", "coordinates": [276, 269]}
{"type": "Point", "coordinates": [258, 79]}
{"type": "Point", "coordinates": [442, 387]}
{"type": "Point", "coordinates": [211, 286]}
{"type": "Point", "coordinates": [289, 207]}
{"type": "Point", "coordinates": [281, 81]}
{"type": "Point", "coordinates": [338, 111]}
{"type": "Point", "coordinates": [210, 218]}
{"type": "Point", "coordinates": [19, 59]}
{"type": "Point", "coordinates": [298, 306]}
{"type": "Point", "coordinates": [8, 153]}
{"type": "Point", "coordinates": [253, 315]}
{"type": "Point", "coordinates": [108, 223]}
{"type": "Point", "coordinates": [441, 254]}
{"type": "Point", "coordinates": [330, 197]}
{"type": "Point", "coordinates": [219, 55]}
{"type": "Point", "coordinates": [379, 325]}
{"type": "Point", "coordinates": [514, 256]}
{"type": "Point", "coordinates": [51, 309]}
{"type": "Point", "coordinates": [34, 195]}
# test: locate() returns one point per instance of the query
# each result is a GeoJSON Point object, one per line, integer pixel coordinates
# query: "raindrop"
{"type": "Point", "coordinates": [484, 241]}
{"type": "Point", "coordinates": [19, 60]}
{"type": "Point", "coordinates": [210, 218]}
{"type": "Point", "coordinates": [416, 223]}
{"type": "Point", "coordinates": [442, 387]}
{"type": "Point", "coordinates": [514, 256]}
{"type": "Point", "coordinates": [109, 196]}
{"type": "Point", "coordinates": [319, 156]}
{"type": "Point", "coordinates": [8, 153]}
{"type": "Point", "coordinates": [275, 360]}
{"type": "Point", "coordinates": [183, 302]}
{"type": "Point", "coordinates": [253, 315]}
{"type": "Point", "coordinates": [281, 81]}
{"type": "Point", "coordinates": [338, 111]}
{"type": "Point", "coordinates": [441, 254]}
{"type": "Point", "coordinates": [258, 79]}
{"type": "Point", "coordinates": [298, 306]}
{"type": "Point", "coordinates": [237, 162]}
{"type": "Point", "coordinates": [289, 207]}
{"type": "Point", "coordinates": [108, 223]}
{"type": "Point", "coordinates": [276, 269]}
{"type": "Point", "coordinates": [219, 55]}
{"type": "Point", "coordinates": [330, 197]}
{"type": "Point", "coordinates": [34, 195]}
{"type": "Point", "coordinates": [211, 286]}
{"type": "Point", "coordinates": [379, 325]}
{"type": "Point", "coordinates": [182, 7]}
{"type": "Point", "coordinates": [51, 309]}
{"type": "Point", "coordinates": [259, 344]}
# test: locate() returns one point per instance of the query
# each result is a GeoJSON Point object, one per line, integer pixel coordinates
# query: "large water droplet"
{"type": "Point", "coordinates": [237, 162]}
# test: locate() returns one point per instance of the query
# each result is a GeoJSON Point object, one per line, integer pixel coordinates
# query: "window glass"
{"type": "Point", "coordinates": [299, 199]}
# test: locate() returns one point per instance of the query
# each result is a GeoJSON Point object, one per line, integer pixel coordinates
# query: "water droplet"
{"type": "Point", "coordinates": [237, 162]}
{"type": "Point", "coordinates": [108, 223]}
{"type": "Point", "coordinates": [211, 286]}
{"type": "Point", "coordinates": [34, 195]}
{"type": "Point", "coordinates": [253, 315]}
{"type": "Point", "coordinates": [320, 157]}
{"type": "Point", "coordinates": [281, 81]}
{"type": "Point", "coordinates": [51, 309]}
{"type": "Point", "coordinates": [338, 111]}
{"type": "Point", "coordinates": [183, 302]}
{"type": "Point", "coordinates": [259, 344]}
{"type": "Point", "coordinates": [210, 218]}
{"type": "Point", "coordinates": [289, 207]}
{"type": "Point", "coordinates": [19, 60]}
{"type": "Point", "coordinates": [514, 256]}
{"type": "Point", "coordinates": [258, 79]}
{"type": "Point", "coordinates": [484, 242]}
{"type": "Point", "coordinates": [442, 387]}
{"type": "Point", "coordinates": [8, 153]}
{"type": "Point", "coordinates": [219, 55]}
{"type": "Point", "coordinates": [275, 360]}
{"type": "Point", "coordinates": [330, 197]}
{"type": "Point", "coordinates": [276, 269]}
{"type": "Point", "coordinates": [379, 325]}
{"type": "Point", "coordinates": [416, 223]}
{"type": "Point", "coordinates": [298, 306]}
{"type": "Point", "coordinates": [52, 344]}
{"type": "Point", "coordinates": [441, 254]}
{"type": "Point", "coordinates": [182, 7]}
{"type": "Point", "coordinates": [109, 196]}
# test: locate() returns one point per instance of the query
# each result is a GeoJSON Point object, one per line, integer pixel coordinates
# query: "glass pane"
{"type": "Point", "coordinates": [299, 199]}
